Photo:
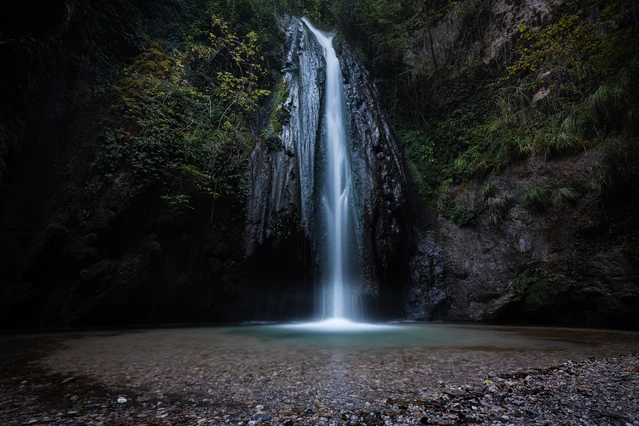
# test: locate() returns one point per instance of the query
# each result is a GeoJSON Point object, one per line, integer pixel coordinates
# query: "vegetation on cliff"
{"type": "Point", "coordinates": [127, 126]}
{"type": "Point", "coordinates": [482, 90]}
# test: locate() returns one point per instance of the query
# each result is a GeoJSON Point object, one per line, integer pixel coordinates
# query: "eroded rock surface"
{"type": "Point", "coordinates": [560, 263]}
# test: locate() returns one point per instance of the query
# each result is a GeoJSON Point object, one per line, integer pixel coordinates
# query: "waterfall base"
{"type": "Point", "coordinates": [339, 325]}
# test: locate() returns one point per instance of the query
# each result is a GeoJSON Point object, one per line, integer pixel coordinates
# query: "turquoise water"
{"type": "Point", "coordinates": [393, 335]}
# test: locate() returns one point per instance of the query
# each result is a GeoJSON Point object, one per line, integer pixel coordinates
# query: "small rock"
{"type": "Point", "coordinates": [121, 400]}
{"type": "Point", "coordinates": [92, 406]}
{"type": "Point", "coordinates": [259, 407]}
{"type": "Point", "coordinates": [33, 421]}
{"type": "Point", "coordinates": [67, 380]}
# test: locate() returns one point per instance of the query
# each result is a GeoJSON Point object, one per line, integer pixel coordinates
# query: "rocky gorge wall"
{"type": "Point", "coordinates": [549, 238]}
{"type": "Point", "coordinates": [84, 250]}
{"type": "Point", "coordinates": [562, 265]}
{"type": "Point", "coordinates": [545, 239]}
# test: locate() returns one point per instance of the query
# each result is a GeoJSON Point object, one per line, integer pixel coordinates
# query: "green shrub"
{"type": "Point", "coordinates": [567, 194]}
{"type": "Point", "coordinates": [153, 247]}
{"type": "Point", "coordinates": [179, 123]}
{"type": "Point", "coordinates": [535, 197]}
{"type": "Point", "coordinates": [532, 288]}
{"type": "Point", "coordinates": [98, 270]}
{"type": "Point", "coordinates": [460, 215]}
{"type": "Point", "coordinates": [55, 231]}
{"type": "Point", "coordinates": [497, 205]}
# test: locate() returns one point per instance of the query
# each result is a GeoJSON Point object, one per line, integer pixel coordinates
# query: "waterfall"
{"type": "Point", "coordinates": [329, 191]}
{"type": "Point", "coordinates": [335, 198]}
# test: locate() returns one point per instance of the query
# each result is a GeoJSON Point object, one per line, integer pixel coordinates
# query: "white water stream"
{"type": "Point", "coordinates": [338, 181]}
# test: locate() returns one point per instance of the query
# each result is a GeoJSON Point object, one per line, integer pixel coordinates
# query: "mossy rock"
{"type": "Point", "coordinates": [273, 141]}
{"type": "Point", "coordinates": [90, 239]}
{"type": "Point", "coordinates": [532, 288]}
{"type": "Point", "coordinates": [153, 248]}
{"type": "Point", "coordinates": [184, 239]}
{"type": "Point", "coordinates": [283, 115]}
{"type": "Point", "coordinates": [459, 214]}
{"type": "Point", "coordinates": [83, 254]}
{"type": "Point", "coordinates": [55, 231]}
{"type": "Point", "coordinates": [98, 270]}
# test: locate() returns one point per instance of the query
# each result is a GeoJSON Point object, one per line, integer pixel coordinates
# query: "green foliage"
{"type": "Point", "coordinates": [535, 197]}
{"type": "Point", "coordinates": [55, 231]}
{"type": "Point", "coordinates": [567, 194]}
{"type": "Point", "coordinates": [496, 204]}
{"type": "Point", "coordinates": [98, 270]}
{"type": "Point", "coordinates": [153, 247]}
{"type": "Point", "coordinates": [460, 118]}
{"type": "Point", "coordinates": [420, 155]}
{"type": "Point", "coordinates": [532, 288]}
{"type": "Point", "coordinates": [180, 118]}
{"type": "Point", "coordinates": [459, 214]}
{"type": "Point", "coordinates": [580, 47]}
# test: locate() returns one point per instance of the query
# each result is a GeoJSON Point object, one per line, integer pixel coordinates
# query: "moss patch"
{"type": "Point", "coordinates": [279, 116]}
{"type": "Point", "coordinates": [532, 288]}
{"type": "Point", "coordinates": [100, 269]}
{"type": "Point", "coordinates": [55, 231]}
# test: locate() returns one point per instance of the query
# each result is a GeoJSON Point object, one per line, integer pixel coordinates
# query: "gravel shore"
{"type": "Point", "coordinates": [187, 377]}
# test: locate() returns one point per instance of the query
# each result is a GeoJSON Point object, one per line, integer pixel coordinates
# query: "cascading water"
{"type": "Point", "coordinates": [338, 178]}
{"type": "Point", "coordinates": [335, 170]}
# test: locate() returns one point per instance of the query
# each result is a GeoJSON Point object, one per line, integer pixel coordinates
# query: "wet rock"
{"type": "Point", "coordinates": [263, 418]}
{"type": "Point", "coordinates": [282, 182]}
{"type": "Point", "coordinates": [90, 406]}
{"type": "Point", "coordinates": [378, 173]}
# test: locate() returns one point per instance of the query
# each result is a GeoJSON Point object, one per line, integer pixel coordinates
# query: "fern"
{"type": "Point", "coordinates": [536, 198]}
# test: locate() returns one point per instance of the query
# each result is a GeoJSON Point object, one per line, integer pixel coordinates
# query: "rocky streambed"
{"type": "Point", "coordinates": [202, 376]}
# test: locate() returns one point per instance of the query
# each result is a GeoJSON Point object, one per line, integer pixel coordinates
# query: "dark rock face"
{"type": "Point", "coordinates": [378, 173]}
{"type": "Point", "coordinates": [562, 265]}
{"type": "Point", "coordinates": [71, 258]}
{"type": "Point", "coordinates": [282, 178]}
